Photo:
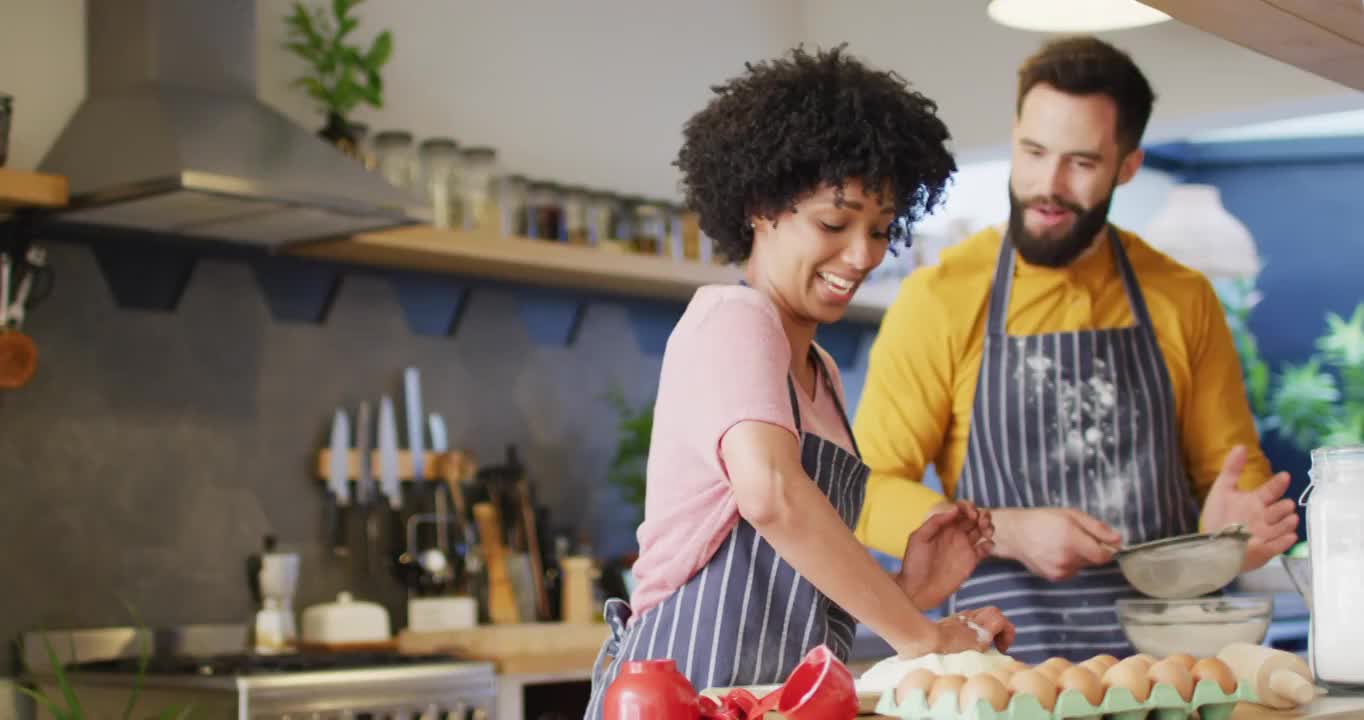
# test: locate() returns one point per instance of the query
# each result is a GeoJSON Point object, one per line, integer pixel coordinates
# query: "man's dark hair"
{"type": "Point", "coordinates": [776, 133]}
{"type": "Point", "coordinates": [1085, 65]}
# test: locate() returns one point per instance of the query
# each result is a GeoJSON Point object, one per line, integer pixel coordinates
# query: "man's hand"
{"type": "Point", "coordinates": [1053, 543]}
{"type": "Point", "coordinates": [944, 551]}
{"type": "Point", "coordinates": [1268, 516]}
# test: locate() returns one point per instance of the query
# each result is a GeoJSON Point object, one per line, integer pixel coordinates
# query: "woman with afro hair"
{"type": "Point", "coordinates": [805, 170]}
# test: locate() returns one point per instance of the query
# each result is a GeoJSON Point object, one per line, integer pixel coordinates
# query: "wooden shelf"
{"type": "Point", "coordinates": [1324, 37]}
{"type": "Point", "coordinates": [21, 188]}
{"type": "Point", "coordinates": [536, 262]}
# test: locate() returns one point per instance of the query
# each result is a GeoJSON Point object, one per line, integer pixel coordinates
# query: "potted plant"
{"type": "Point", "coordinates": [1319, 401]}
{"type": "Point", "coordinates": [634, 427]}
{"type": "Point", "coordinates": [69, 707]}
{"type": "Point", "coordinates": [341, 75]}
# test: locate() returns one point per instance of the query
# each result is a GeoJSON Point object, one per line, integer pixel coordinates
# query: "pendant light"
{"type": "Point", "coordinates": [1195, 229]}
{"type": "Point", "coordinates": [1073, 16]}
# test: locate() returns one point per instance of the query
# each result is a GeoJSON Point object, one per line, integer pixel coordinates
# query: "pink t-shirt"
{"type": "Point", "coordinates": [726, 362]}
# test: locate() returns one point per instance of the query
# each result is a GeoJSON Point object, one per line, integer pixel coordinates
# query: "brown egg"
{"type": "Point", "coordinates": [983, 686]}
{"type": "Point", "coordinates": [1084, 681]}
{"type": "Point", "coordinates": [1105, 661]}
{"type": "Point", "coordinates": [1184, 659]}
{"type": "Point", "coordinates": [1036, 684]}
{"type": "Point", "coordinates": [1216, 671]}
{"type": "Point", "coordinates": [947, 685]}
{"type": "Point", "coordinates": [1053, 667]}
{"type": "Point", "coordinates": [1003, 674]}
{"type": "Point", "coordinates": [1130, 676]}
{"type": "Point", "coordinates": [1173, 673]}
{"type": "Point", "coordinates": [1018, 665]}
{"type": "Point", "coordinates": [1144, 662]}
{"type": "Point", "coordinates": [920, 679]}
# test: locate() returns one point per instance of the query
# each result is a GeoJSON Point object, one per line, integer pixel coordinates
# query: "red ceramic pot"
{"type": "Point", "coordinates": [651, 690]}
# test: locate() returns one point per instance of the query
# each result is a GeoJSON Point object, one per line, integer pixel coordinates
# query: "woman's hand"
{"type": "Point", "coordinates": [944, 551]}
{"type": "Point", "coordinates": [978, 629]}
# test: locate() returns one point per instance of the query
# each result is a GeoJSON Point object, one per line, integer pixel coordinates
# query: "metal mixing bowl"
{"type": "Point", "coordinates": [1187, 566]}
{"type": "Point", "coordinates": [1300, 572]}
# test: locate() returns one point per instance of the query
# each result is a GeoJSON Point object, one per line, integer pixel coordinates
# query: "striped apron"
{"type": "Point", "coordinates": [1082, 420]}
{"type": "Point", "coordinates": [747, 617]}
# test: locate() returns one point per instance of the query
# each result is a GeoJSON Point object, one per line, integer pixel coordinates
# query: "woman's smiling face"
{"type": "Point", "coordinates": [814, 256]}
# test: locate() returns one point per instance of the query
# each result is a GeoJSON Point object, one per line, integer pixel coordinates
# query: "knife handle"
{"type": "Point", "coordinates": [337, 522]}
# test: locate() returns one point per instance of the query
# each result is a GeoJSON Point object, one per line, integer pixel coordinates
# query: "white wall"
{"type": "Point", "coordinates": [42, 64]}
{"type": "Point", "coordinates": [591, 91]}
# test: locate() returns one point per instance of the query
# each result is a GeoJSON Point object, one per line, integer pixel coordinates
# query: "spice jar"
{"type": "Point", "coordinates": [477, 170]}
{"type": "Point", "coordinates": [393, 157]}
{"type": "Point", "coordinates": [1335, 542]}
{"type": "Point", "coordinates": [651, 230]}
{"type": "Point", "coordinates": [440, 179]}
{"type": "Point", "coordinates": [544, 211]}
{"type": "Point", "coordinates": [512, 192]}
{"type": "Point", "coordinates": [574, 228]}
{"type": "Point", "coordinates": [600, 217]}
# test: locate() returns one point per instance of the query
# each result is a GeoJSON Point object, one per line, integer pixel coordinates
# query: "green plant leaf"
{"type": "Point", "coordinates": [379, 51]}
{"type": "Point", "coordinates": [1345, 430]}
{"type": "Point", "coordinates": [347, 26]}
{"type": "Point", "coordinates": [175, 712]}
{"type": "Point", "coordinates": [73, 703]}
{"type": "Point", "coordinates": [1304, 403]}
{"type": "Point", "coordinates": [57, 711]}
{"type": "Point", "coordinates": [303, 50]}
{"type": "Point", "coordinates": [1343, 344]}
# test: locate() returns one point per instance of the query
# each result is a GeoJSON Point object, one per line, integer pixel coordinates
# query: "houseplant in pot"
{"type": "Point", "coordinates": [340, 75]}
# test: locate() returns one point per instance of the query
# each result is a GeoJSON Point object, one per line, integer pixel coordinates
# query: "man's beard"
{"type": "Point", "coordinates": [1059, 251]}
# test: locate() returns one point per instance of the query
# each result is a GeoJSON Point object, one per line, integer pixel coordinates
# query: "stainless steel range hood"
{"type": "Point", "coordinates": [172, 139]}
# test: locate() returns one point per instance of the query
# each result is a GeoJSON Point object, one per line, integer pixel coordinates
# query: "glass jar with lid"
{"type": "Point", "coordinates": [544, 211]}
{"type": "Point", "coordinates": [393, 157]}
{"type": "Point", "coordinates": [440, 180]}
{"type": "Point", "coordinates": [574, 225]}
{"type": "Point", "coordinates": [512, 193]}
{"type": "Point", "coordinates": [1335, 544]}
{"type": "Point", "coordinates": [478, 171]}
{"type": "Point", "coordinates": [651, 228]}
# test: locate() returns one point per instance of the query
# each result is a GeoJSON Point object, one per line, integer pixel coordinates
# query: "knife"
{"type": "Point", "coordinates": [388, 476]}
{"type": "Point", "coordinates": [412, 386]}
{"type": "Point", "coordinates": [364, 481]}
{"type": "Point", "coordinates": [338, 481]}
{"type": "Point", "coordinates": [439, 445]}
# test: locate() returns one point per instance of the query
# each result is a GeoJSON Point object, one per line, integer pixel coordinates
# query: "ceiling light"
{"type": "Point", "coordinates": [1073, 16]}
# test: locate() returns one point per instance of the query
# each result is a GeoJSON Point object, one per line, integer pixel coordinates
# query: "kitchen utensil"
{"type": "Point", "coordinates": [338, 482]}
{"type": "Point", "coordinates": [412, 389]}
{"type": "Point", "coordinates": [345, 622]}
{"type": "Point", "coordinates": [1186, 566]}
{"type": "Point", "coordinates": [501, 597]}
{"type": "Point", "coordinates": [273, 578]}
{"type": "Point", "coordinates": [6, 112]}
{"type": "Point", "coordinates": [1280, 679]}
{"type": "Point", "coordinates": [364, 485]}
{"type": "Point", "coordinates": [439, 445]}
{"type": "Point", "coordinates": [391, 488]}
{"type": "Point", "coordinates": [820, 688]}
{"type": "Point", "coordinates": [577, 589]}
{"type": "Point", "coordinates": [533, 550]}
{"type": "Point", "coordinates": [1299, 571]}
{"type": "Point", "coordinates": [18, 353]}
{"type": "Point", "coordinates": [650, 689]}
{"type": "Point", "coordinates": [1200, 626]}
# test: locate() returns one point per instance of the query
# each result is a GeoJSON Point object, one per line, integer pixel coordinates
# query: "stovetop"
{"type": "Point", "coordinates": [236, 665]}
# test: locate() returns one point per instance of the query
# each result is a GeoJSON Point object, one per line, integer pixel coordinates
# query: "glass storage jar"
{"type": "Point", "coordinates": [512, 193]}
{"type": "Point", "coordinates": [544, 211]}
{"type": "Point", "coordinates": [440, 180]}
{"type": "Point", "coordinates": [478, 171]}
{"type": "Point", "coordinates": [1335, 544]}
{"type": "Point", "coordinates": [574, 226]}
{"type": "Point", "coordinates": [393, 157]}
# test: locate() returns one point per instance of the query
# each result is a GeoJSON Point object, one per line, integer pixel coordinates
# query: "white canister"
{"type": "Point", "coordinates": [1335, 541]}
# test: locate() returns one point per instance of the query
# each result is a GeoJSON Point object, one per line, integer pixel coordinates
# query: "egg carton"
{"type": "Point", "coordinates": [1164, 703]}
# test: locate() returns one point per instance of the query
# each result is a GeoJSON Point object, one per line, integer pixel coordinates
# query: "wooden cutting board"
{"type": "Point", "coordinates": [1334, 708]}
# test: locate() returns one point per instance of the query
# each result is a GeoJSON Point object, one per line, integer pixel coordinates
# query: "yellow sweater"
{"type": "Point", "coordinates": [915, 408]}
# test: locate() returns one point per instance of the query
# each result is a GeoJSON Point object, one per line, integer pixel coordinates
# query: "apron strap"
{"type": "Point", "coordinates": [617, 613]}
{"type": "Point", "coordinates": [995, 320]}
{"type": "Point", "coordinates": [823, 371]}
